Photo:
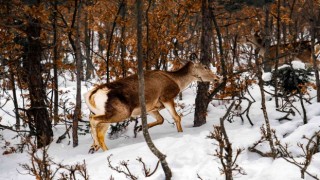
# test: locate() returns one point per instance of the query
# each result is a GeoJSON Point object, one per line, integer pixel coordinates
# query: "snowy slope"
{"type": "Point", "coordinates": [188, 154]}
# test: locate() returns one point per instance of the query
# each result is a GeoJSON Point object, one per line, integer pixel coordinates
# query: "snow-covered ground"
{"type": "Point", "coordinates": [189, 154]}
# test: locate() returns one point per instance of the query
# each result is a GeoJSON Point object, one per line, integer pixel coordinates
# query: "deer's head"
{"type": "Point", "coordinates": [203, 73]}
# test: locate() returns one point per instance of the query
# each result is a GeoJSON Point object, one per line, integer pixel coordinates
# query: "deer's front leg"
{"type": "Point", "coordinates": [157, 116]}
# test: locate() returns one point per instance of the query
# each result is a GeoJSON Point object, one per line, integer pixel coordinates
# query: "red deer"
{"type": "Point", "coordinates": [117, 101]}
{"type": "Point", "coordinates": [287, 52]}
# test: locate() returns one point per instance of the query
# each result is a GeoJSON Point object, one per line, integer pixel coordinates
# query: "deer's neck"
{"type": "Point", "coordinates": [257, 43]}
{"type": "Point", "coordinates": [183, 77]}
{"type": "Point", "coordinates": [255, 40]}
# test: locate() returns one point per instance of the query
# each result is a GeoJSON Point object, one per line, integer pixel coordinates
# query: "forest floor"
{"type": "Point", "coordinates": [190, 154]}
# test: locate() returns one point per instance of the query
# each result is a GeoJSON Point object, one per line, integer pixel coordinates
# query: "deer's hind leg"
{"type": "Point", "coordinates": [101, 132]}
{"type": "Point", "coordinates": [100, 123]}
{"type": "Point", "coordinates": [93, 126]}
{"type": "Point", "coordinates": [98, 131]}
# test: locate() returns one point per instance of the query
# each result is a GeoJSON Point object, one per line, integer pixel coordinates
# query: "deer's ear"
{"type": "Point", "coordinates": [194, 58]}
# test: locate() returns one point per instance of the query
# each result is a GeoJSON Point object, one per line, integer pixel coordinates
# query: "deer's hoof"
{"type": "Point", "coordinates": [138, 128]}
{"type": "Point", "coordinates": [93, 149]}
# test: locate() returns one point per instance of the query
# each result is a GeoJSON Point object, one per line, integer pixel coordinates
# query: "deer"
{"type": "Point", "coordinates": [300, 50]}
{"type": "Point", "coordinates": [118, 100]}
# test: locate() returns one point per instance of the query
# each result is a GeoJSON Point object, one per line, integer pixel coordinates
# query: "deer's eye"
{"type": "Point", "coordinates": [205, 67]}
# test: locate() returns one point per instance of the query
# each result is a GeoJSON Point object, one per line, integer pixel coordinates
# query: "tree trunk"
{"type": "Point", "coordinates": [224, 72]}
{"type": "Point", "coordinates": [122, 4]}
{"type": "Point", "coordinates": [275, 73]}
{"type": "Point", "coordinates": [15, 101]}
{"type": "Point", "coordinates": [202, 99]}
{"type": "Point", "coordinates": [55, 67]}
{"type": "Point", "coordinates": [267, 65]}
{"type": "Point", "coordinates": [314, 34]}
{"type": "Point", "coordinates": [263, 106]}
{"type": "Point", "coordinates": [152, 147]}
{"type": "Point", "coordinates": [77, 112]}
{"type": "Point", "coordinates": [201, 104]}
{"type": "Point", "coordinates": [148, 60]}
{"type": "Point", "coordinates": [100, 39]}
{"type": "Point", "coordinates": [36, 86]}
{"type": "Point", "coordinates": [122, 43]}
{"type": "Point", "coordinates": [87, 39]}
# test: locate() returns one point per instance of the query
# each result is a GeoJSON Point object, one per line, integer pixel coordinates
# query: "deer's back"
{"type": "Point", "coordinates": [158, 87]}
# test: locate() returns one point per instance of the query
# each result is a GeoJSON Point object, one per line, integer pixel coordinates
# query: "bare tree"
{"type": "Point", "coordinates": [202, 98]}
{"type": "Point", "coordinates": [268, 134]}
{"type": "Point", "coordinates": [121, 6]}
{"type": "Point", "coordinates": [277, 53]}
{"type": "Point", "coordinates": [77, 51]}
{"type": "Point", "coordinates": [88, 36]}
{"type": "Point", "coordinates": [55, 64]}
{"type": "Point", "coordinates": [36, 86]}
{"type": "Point", "coordinates": [154, 150]}
{"type": "Point", "coordinates": [267, 66]}
{"type": "Point", "coordinates": [225, 150]}
{"type": "Point", "coordinates": [14, 94]}
{"type": "Point", "coordinates": [314, 30]}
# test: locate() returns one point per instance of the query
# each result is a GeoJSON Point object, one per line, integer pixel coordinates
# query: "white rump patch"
{"type": "Point", "coordinates": [100, 98]}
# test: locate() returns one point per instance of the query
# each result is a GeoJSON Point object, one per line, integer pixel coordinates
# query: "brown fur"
{"type": "Point", "coordinates": [124, 93]}
{"type": "Point", "coordinates": [160, 90]}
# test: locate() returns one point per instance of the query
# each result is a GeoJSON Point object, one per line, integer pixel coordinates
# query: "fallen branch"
{"type": "Point", "coordinates": [4, 127]}
{"type": "Point", "coordinates": [63, 136]}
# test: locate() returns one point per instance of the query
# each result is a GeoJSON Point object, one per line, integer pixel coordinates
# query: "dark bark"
{"type": "Point", "coordinates": [224, 72]}
{"type": "Point", "coordinates": [267, 65]}
{"type": "Point", "coordinates": [277, 55]}
{"type": "Point", "coordinates": [202, 99]}
{"type": "Point", "coordinates": [314, 34]}
{"type": "Point", "coordinates": [148, 63]}
{"type": "Point", "coordinates": [55, 67]}
{"type": "Point", "coordinates": [305, 119]}
{"type": "Point", "coordinates": [87, 42]}
{"type": "Point", "coordinates": [100, 38]}
{"type": "Point", "coordinates": [110, 38]}
{"type": "Point", "coordinates": [72, 39]}
{"type": "Point", "coordinates": [201, 104]}
{"type": "Point", "coordinates": [77, 112]}
{"type": "Point", "coordinates": [284, 25]}
{"type": "Point", "coordinates": [122, 43]}
{"type": "Point", "coordinates": [15, 101]}
{"type": "Point", "coordinates": [152, 147]}
{"type": "Point", "coordinates": [36, 85]}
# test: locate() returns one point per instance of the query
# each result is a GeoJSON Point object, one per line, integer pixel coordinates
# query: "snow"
{"type": "Point", "coordinates": [189, 154]}
{"type": "Point", "coordinates": [267, 76]}
{"type": "Point", "coordinates": [297, 64]}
